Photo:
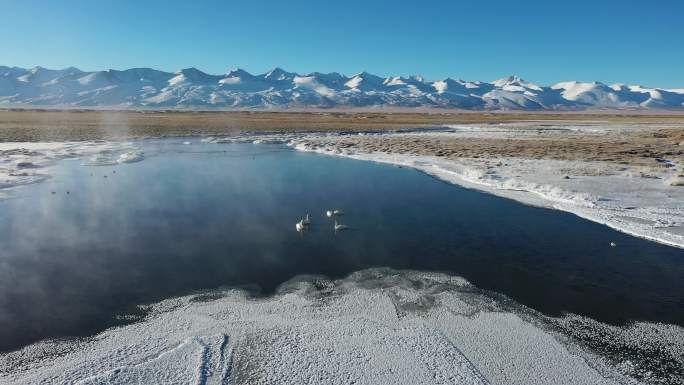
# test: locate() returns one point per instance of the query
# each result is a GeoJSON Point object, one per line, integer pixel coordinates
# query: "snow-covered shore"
{"type": "Point", "coordinates": [23, 163]}
{"type": "Point", "coordinates": [374, 327]}
{"type": "Point", "coordinates": [647, 203]}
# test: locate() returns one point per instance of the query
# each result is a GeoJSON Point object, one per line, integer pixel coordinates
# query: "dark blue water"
{"type": "Point", "coordinates": [207, 215]}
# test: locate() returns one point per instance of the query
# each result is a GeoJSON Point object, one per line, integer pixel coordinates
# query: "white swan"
{"type": "Point", "coordinates": [300, 226]}
{"type": "Point", "coordinates": [331, 213]}
{"type": "Point", "coordinates": [613, 244]}
{"type": "Point", "coordinates": [340, 227]}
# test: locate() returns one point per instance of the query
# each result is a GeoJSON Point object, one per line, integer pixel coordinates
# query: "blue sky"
{"type": "Point", "coordinates": [542, 41]}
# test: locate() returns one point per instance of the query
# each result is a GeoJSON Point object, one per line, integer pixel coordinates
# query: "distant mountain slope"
{"type": "Point", "coordinates": [191, 88]}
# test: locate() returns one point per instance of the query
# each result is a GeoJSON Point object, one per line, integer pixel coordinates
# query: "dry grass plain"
{"type": "Point", "coordinates": [658, 136]}
{"type": "Point", "coordinates": [53, 125]}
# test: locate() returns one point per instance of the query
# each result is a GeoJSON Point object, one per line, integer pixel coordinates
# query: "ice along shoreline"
{"type": "Point", "coordinates": [609, 198]}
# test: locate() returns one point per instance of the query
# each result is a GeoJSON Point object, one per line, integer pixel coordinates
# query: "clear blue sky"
{"type": "Point", "coordinates": [542, 41]}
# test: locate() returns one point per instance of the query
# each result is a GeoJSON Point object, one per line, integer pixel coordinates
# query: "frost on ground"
{"type": "Point", "coordinates": [24, 163]}
{"type": "Point", "coordinates": [597, 171]}
{"type": "Point", "coordinates": [375, 327]}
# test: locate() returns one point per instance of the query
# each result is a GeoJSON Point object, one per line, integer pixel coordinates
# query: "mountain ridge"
{"type": "Point", "coordinates": [191, 88]}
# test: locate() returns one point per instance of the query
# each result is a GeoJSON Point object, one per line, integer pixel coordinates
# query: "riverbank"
{"type": "Point", "coordinates": [627, 176]}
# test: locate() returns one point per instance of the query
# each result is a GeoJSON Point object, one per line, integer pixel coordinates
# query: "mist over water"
{"type": "Point", "coordinates": [199, 216]}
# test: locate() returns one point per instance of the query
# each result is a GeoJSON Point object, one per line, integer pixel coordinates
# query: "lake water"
{"type": "Point", "coordinates": [199, 216]}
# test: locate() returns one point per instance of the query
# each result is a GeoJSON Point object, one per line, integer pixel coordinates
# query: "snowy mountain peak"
{"type": "Point", "coordinates": [192, 72]}
{"type": "Point", "coordinates": [192, 75]}
{"type": "Point", "coordinates": [278, 88]}
{"type": "Point", "coordinates": [279, 74]}
{"type": "Point", "coordinates": [394, 81]}
{"type": "Point", "coordinates": [365, 81]}
{"type": "Point", "coordinates": [328, 76]}
{"type": "Point", "coordinates": [365, 75]}
{"type": "Point", "coordinates": [44, 75]}
{"type": "Point", "coordinates": [238, 72]}
{"type": "Point", "coordinates": [72, 70]}
{"type": "Point", "coordinates": [451, 85]}
{"type": "Point", "coordinates": [516, 80]}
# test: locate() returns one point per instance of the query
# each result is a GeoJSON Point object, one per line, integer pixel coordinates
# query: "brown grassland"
{"type": "Point", "coordinates": [658, 136]}
{"type": "Point", "coordinates": [34, 125]}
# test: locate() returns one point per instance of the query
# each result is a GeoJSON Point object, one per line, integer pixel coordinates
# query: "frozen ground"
{"type": "Point", "coordinates": [643, 201]}
{"type": "Point", "coordinates": [375, 327]}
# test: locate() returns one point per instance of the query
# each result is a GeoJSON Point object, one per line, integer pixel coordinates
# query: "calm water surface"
{"type": "Point", "coordinates": [207, 215]}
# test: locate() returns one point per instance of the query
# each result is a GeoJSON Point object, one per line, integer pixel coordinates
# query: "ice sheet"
{"type": "Point", "coordinates": [24, 163]}
{"type": "Point", "coordinates": [375, 327]}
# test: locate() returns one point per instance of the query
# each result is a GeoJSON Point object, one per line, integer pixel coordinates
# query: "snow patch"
{"type": "Point", "coordinates": [377, 326]}
{"type": "Point", "coordinates": [24, 163]}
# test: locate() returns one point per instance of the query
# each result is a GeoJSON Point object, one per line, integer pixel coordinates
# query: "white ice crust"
{"type": "Point", "coordinates": [24, 163]}
{"type": "Point", "coordinates": [349, 332]}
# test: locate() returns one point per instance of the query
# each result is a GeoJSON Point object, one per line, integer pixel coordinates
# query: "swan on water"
{"type": "Point", "coordinates": [340, 227]}
{"type": "Point", "coordinates": [331, 213]}
{"type": "Point", "coordinates": [300, 225]}
{"type": "Point", "coordinates": [613, 244]}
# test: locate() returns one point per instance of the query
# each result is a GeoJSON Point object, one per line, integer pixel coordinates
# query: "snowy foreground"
{"type": "Point", "coordinates": [375, 327]}
{"type": "Point", "coordinates": [644, 202]}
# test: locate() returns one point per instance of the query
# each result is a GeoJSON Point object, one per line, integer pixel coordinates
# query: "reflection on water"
{"type": "Point", "coordinates": [206, 215]}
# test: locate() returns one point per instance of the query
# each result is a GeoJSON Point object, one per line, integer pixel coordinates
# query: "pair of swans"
{"type": "Point", "coordinates": [304, 223]}
{"type": "Point", "coordinates": [336, 213]}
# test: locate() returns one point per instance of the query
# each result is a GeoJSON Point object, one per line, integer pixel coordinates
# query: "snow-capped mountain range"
{"type": "Point", "coordinates": [238, 89]}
